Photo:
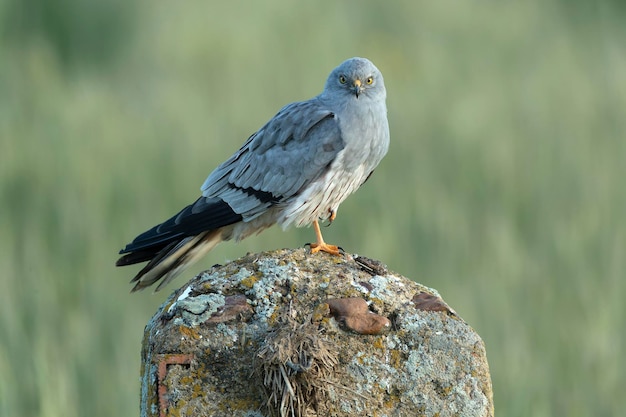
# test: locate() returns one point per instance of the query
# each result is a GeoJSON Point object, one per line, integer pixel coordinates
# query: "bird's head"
{"type": "Point", "coordinates": [358, 78]}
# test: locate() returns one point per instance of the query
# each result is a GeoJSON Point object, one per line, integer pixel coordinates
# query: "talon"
{"type": "Point", "coordinates": [325, 247]}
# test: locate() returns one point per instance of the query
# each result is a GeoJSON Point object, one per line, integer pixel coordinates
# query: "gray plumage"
{"type": "Point", "coordinates": [295, 170]}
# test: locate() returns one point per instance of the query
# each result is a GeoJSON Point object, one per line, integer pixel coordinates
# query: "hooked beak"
{"type": "Point", "coordinates": [357, 88]}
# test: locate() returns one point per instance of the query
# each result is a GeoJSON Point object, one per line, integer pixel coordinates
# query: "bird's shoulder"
{"type": "Point", "coordinates": [290, 150]}
{"type": "Point", "coordinates": [295, 122]}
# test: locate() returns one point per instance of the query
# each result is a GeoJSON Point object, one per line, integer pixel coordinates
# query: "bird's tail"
{"type": "Point", "coordinates": [172, 259]}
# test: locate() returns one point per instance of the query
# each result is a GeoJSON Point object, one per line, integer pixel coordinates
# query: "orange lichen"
{"type": "Point", "coordinates": [321, 311]}
{"type": "Point", "coordinates": [379, 342]}
{"type": "Point", "coordinates": [271, 320]}
{"type": "Point", "coordinates": [249, 282]}
{"type": "Point", "coordinates": [395, 358]}
{"type": "Point", "coordinates": [189, 332]}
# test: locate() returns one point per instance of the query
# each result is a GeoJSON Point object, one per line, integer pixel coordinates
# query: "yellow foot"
{"type": "Point", "coordinates": [321, 245]}
{"type": "Point", "coordinates": [325, 247]}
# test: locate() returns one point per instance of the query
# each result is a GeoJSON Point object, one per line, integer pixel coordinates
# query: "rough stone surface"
{"type": "Point", "coordinates": [294, 334]}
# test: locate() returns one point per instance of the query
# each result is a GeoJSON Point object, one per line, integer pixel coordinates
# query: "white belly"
{"type": "Point", "coordinates": [322, 197]}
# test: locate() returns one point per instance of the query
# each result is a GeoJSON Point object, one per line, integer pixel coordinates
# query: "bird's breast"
{"type": "Point", "coordinates": [323, 196]}
{"type": "Point", "coordinates": [365, 132]}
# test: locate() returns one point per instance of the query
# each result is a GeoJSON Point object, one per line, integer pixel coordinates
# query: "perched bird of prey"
{"type": "Point", "coordinates": [295, 170]}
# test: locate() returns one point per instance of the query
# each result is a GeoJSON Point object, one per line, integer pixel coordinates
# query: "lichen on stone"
{"type": "Point", "coordinates": [198, 309]}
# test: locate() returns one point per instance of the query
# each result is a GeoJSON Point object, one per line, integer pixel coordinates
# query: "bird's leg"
{"type": "Point", "coordinates": [321, 245]}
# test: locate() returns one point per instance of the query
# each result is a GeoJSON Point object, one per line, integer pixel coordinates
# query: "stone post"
{"type": "Point", "coordinates": [287, 333]}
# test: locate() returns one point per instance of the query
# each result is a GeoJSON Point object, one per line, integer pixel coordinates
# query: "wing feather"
{"type": "Point", "coordinates": [293, 149]}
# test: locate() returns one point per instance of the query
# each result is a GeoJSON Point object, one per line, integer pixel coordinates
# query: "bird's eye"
{"type": "Point", "coordinates": [342, 79]}
{"type": "Point", "coordinates": [369, 80]}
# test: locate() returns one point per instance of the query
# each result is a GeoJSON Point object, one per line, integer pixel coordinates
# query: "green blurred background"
{"type": "Point", "coordinates": [503, 187]}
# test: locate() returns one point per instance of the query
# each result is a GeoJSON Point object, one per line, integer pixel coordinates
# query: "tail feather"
{"type": "Point", "coordinates": [137, 257]}
{"type": "Point", "coordinates": [170, 261]}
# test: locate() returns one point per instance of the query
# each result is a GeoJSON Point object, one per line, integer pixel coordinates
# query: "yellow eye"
{"type": "Point", "coordinates": [342, 79]}
{"type": "Point", "coordinates": [369, 80]}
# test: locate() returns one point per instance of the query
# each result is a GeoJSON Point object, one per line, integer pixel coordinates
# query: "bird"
{"type": "Point", "coordinates": [294, 171]}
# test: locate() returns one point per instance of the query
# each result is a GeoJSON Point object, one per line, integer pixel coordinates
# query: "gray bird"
{"type": "Point", "coordinates": [295, 170]}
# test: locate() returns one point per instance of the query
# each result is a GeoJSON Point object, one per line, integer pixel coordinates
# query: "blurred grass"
{"type": "Point", "coordinates": [503, 187]}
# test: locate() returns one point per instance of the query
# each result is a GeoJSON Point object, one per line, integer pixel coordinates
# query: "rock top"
{"type": "Point", "coordinates": [287, 333]}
